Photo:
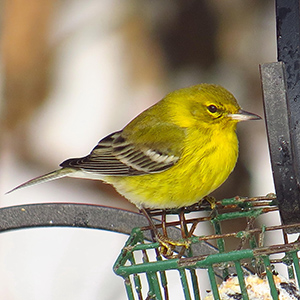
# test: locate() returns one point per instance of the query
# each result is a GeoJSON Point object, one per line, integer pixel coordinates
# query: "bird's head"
{"type": "Point", "coordinates": [206, 105]}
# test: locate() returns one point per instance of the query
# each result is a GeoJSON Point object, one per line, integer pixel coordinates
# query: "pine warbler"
{"type": "Point", "coordinates": [171, 155]}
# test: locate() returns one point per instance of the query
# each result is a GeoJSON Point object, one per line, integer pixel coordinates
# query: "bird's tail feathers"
{"type": "Point", "coordinates": [44, 178]}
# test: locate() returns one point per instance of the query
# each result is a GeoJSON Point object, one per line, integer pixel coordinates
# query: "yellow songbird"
{"type": "Point", "coordinates": [171, 155]}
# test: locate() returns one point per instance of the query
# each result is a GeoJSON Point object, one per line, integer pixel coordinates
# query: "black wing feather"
{"type": "Point", "coordinates": [114, 155]}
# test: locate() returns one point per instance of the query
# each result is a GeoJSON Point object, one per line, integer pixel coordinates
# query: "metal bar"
{"type": "Point", "coordinates": [83, 216]}
{"type": "Point", "coordinates": [296, 266]}
{"type": "Point", "coordinates": [273, 289]}
{"type": "Point", "coordinates": [195, 284]}
{"type": "Point", "coordinates": [163, 276]}
{"type": "Point", "coordinates": [128, 288]}
{"type": "Point", "coordinates": [280, 145]}
{"type": "Point", "coordinates": [135, 279]}
{"type": "Point", "coordinates": [187, 263]}
{"type": "Point", "coordinates": [288, 43]}
{"type": "Point", "coordinates": [288, 47]}
{"type": "Point", "coordinates": [213, 283]}
{"type": "Point", "coordinates": [184, 284]}
{"type": "Point", "coordinates": [154, 291]}
{"type": "Point", "coordinates": [240, 275]}
{"type": "Point", "coordinates": [137, 286]}
{"type": "Point", "coordinates": [69, 215]}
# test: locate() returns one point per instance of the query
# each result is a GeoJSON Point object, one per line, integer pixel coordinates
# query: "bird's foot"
{"type": "Point", "coordinates": [167, 246]}
{"type": "Point", "coordinates": [211, 200]}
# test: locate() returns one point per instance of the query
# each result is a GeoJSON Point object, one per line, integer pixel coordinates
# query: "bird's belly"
{"type": "Point", "coordinates": [186, 183]}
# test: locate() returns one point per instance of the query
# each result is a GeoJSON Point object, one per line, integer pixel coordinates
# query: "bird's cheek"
{"type": "Point", "coordinates": [184, 120]}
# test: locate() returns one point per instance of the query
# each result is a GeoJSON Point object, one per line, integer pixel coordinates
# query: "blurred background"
{"type": "Point", "coordinates": [74, 71]}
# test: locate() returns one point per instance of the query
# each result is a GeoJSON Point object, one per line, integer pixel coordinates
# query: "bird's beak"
{"type": "Point", "coordinates": [243, 115]}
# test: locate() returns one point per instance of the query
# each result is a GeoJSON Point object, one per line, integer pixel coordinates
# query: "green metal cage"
{"type": "Point", "coordinates": [212, 258]}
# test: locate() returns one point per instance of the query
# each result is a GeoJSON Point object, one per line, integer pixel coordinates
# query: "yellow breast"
{"type": "Point", "coordinates": [202, 168]}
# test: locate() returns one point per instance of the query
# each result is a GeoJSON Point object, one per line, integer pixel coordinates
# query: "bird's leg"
{"type": "Point", "coordinates": [152, 225]}
{"type": "Point", "coordinates": [166, 249]}
{"type": "Point", "coordinates": [184, 231]}
{"type": "Point", "coordinates": [211, 200]}
{"type": "Point", "coordinates": [164, 223]}
{"type": "Point", "coordinates": [167, 245]}
{"type": "Point", "coordinates": [182, 224]}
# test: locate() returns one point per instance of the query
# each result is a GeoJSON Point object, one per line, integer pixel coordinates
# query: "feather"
{"type": "Point", "coordinates": [114, 155]}
{"type": "Point", "coordinates": [44, 178]}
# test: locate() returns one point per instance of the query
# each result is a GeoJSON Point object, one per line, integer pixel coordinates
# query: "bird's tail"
{"type": "Point", "coordinates": [44, 178]}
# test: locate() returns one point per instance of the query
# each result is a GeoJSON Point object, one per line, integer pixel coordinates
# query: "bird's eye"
{"type": "Point", "coordinates": [212, 108]}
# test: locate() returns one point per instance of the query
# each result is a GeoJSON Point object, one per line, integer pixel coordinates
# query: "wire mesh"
{"type": "Point", "coordinates": [150, 275]}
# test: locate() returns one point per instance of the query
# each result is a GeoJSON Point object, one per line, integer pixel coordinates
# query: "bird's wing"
{"type": "Point", "coordinates": [121, 155]}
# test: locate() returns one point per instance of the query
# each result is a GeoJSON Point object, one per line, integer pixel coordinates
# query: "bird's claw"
{"type": "Point", "coordinates": [167, 245]}
{"type": "Point", "coordinates": [211, 200]}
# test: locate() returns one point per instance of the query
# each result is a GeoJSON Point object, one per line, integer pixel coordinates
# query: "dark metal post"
{"type": "Point", "coordinates": [281, 88]}
{"type": "Point", "coordinates": [288, 47]}
{"type": "Point", "coordinates": [280, 145]}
